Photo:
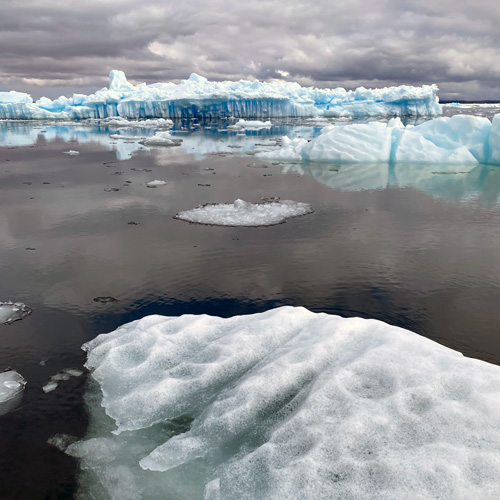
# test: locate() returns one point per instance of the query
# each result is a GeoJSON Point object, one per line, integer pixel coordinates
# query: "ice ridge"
{"type": "Point", "coordinates": [199, 98]}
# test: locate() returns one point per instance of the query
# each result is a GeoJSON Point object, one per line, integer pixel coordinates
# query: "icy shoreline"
{"type": "Point", "coordinates": [199, 98]}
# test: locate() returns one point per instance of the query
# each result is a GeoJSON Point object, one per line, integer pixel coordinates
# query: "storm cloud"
{"type": "Point", "coordinates": [59, 47]}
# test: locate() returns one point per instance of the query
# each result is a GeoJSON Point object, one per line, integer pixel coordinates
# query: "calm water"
{"type": "Point", "coordinates": [413, 245]}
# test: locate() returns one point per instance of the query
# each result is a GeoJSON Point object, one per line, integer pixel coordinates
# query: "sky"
{"type": "Point", "coordinates": [58, 47]}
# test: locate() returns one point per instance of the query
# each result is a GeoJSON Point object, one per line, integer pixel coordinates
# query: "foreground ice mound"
{"type": "Point", "coordinates": [13, 311]}
{"type": "Point", "coordinates": [460, 139]}
{"type": "Point", "coordinates": [11, 387]}
{"type": "Point", "coordinates": [288, 404]}
{"type": "Point", "coordinates": [243, 213]}
{"type": "Point", "coordinates": [162, 139]}
{"type": "Point", "coordinates": [199, 98]}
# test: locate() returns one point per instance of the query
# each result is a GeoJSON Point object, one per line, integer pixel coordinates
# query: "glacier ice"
{"type": "Point", "coordinates": [287, 404]}
{"type": "Point", "coordinates": [460, 139]}
{"type": "Point", "coordinates": [199, 98]}
{"type": "Point", "coordinates": [13, 311]}
{"type": "Point", "coordinates": [11, 387]}
{"type": "Point", "coordinates": [243, 213]}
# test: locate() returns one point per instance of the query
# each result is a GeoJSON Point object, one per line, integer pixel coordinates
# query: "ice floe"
{"type": "Point", "coordinates": [155, 183]}
{"type": "Point", "coordinates": [65, 374]}
{"type": "Point", "coordinates": [460, 139]}
{"type": "Point", "coordinates": [243, 213]}
{"type": "Point", "coordinates": [255, 124]}
{"type": "Point", "coordinates": [199, 98]}
{"type": "Point", "coordinates": [162, 139]}
{"type": "Point", "coordinates": [287, 404]}
{"type": "Point", "coordinates": [72, 153]}
{"type": "Point", "coordinates": [13, 311]}
{"type": "Point", "coordinates": [11, 387]}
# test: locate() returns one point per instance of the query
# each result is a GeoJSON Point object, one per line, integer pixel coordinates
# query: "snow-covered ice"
{"type": "Point", "coordinates": [13, 311]}
{"type": "Point", "coordinates": [162, 139]}
{"type": "Point", "coordinates": [254, 124]}
{"type": "Point", "coordinates": [287, 404]}
{"type": "Point", "coordinates": [460, 139]}
{"type": "Point", "coordinates": [156, 183]}
{"type": "Point", "coordinates": [243, 213]}
{"type": "Point", "coordinates": [199, 98]}
{"type": "Point", "coordinates": [11, 387]}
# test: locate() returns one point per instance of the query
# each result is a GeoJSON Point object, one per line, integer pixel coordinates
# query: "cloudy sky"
{"type": "Point", "coordinates": [54, 47]}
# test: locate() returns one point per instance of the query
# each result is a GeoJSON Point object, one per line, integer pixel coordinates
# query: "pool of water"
{"type": "Point", "coordinates": [413, 245]}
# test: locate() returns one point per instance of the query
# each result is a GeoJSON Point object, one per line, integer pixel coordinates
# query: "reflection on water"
{"type": "Point", "coordinates": [381, 243]}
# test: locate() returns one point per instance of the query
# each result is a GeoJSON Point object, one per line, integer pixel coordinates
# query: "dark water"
{"type": "Point", "coordinates": [406, 244]}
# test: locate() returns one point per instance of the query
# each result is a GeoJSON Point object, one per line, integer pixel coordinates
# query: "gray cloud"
{"type": "Point", "coordinates": [56, 46]}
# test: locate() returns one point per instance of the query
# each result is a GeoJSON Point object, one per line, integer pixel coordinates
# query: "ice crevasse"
{"type": "Point", "coordinates": [197, 97]}
{"type": "Point", "coordinates": [288, 404]}
{"type": "Point", "coordinates": [460, 139]}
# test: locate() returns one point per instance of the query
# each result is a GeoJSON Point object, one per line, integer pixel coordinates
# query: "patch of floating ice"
{"type": "Point", "coordinates": [162, 139]}
{"type": "Point", "coordinates": [254, 124]}
{"type": "Point", "coordinates": [288, 404]}
{"type": "Point", "coordinates": [13, 311]}
{"type": "Point", "coordinates": [156, 183]}
{"type": "Point", "coordinates": [243, 213]}
{"type": "Point", "coordinates": [11, 387]}
{"type": "Point", "coordinates": [71, 152]}
{"type": "Point", "coordinates": [65, 374]}
{"type": "Point", "coordinates": [123, 122]}
{"type": "Point", "coordinates": [127, 137]}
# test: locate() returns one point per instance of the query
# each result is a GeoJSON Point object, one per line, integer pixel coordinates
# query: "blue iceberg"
{"type": "Point", "coordinates": [461, 139]}
{"type": "Point", "coordinates": [199, 98]}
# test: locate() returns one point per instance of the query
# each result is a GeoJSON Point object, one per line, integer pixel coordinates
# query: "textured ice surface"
{"type": "Point", "coordinates": [65, 374]}
{"type": "Point", "coordinates": [243, 213]}
{"type": "Point", "coordinates": [460, 139]}
{"type": "Point", "coordinates": [288, 404]}
{"type": "Point", "coordinates": [162, 139]}
{"type": "Point", "coordinates": [199, 98]}
{"type": "Point", "coordinates": [156, 183]}
{"type": "Point", "coordinates": [13, 311]}
{"type": "Point", "coordinates": [255, 124]}
{"type": "Point", "coordinates": [11, 387]}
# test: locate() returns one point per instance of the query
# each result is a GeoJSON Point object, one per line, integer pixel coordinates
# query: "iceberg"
{"type": "Point", "coordinates": [461, 139]}
{"type": "Point", "coordinates": [199, 98]}
{"type": "Point", "coordinates": [13, 311]}
{"type": "Point", "coordinates": [286, 404]}
{"type": "Point", "coordinates": [243, 213]}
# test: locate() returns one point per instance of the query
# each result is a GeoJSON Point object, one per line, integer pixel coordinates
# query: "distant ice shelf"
{"type": "Point", "coordinates": [286, 404]}
{"type": "Point", "coordinates": [199, 98]}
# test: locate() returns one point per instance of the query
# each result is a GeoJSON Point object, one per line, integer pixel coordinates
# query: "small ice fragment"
{"type": "Point", "coordinates": [162, 139]}
{"type": "Point", "coordinates": [153, 184]}
{"type": "Point", "coordinates": [13, 311]}
{"type": "Point", "coordinates": [11, 387]}
{"type": "Point", "coordinates": [73, 372]}
{"type": "Point", "coordinates": [71, 152]}
{"type": "Point", "coordinates": [49, 387]}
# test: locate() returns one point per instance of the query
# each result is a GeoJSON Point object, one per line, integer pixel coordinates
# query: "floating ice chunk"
{"type": "Point", "coordinates": [127, 137]}
{"type": "Point", "coordinates": [255, 124]}
{"type": "Point", "coordinates": [153, 184]}
{"type": "Point", "coordinates": [49, 387]}
{"type": "Point", "coordinates": [71, 152]}
{"type": "Point", "coordinates": [243, 213]}
{"type": "Point", "coordinates": [11, 387]}
{"type": "Point", "coordinates": [494, 141]}
{"type": "Point", "coordinates": [65, 374]}
{"type": "Point", "coordinates": [291, 404]}
{"type": "Point", "coordinates": [13, 311]}
{"type": "Point", "coordinates": [162, 139]}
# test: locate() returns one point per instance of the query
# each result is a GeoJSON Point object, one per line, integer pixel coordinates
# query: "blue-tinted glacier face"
{"type": "Point", "coordinates": [286, 404]}
{"type": "Point", "coordinates": [199, 98]}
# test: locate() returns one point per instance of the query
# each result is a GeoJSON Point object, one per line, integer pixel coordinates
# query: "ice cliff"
{"type": "Point", "coordinates": [199, 98]}
{"type": "Point", "coordinates": [460, 139]}
{"type": "Point", "coordinates": [287, 404]}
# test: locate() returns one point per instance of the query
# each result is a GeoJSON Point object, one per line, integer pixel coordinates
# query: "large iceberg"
{"type": "Point", "coordinates": [286, 404]}
{"type": "Point", "coordinates": [461, 139]}
{"type": "Point", "coordinates": [199, 98]}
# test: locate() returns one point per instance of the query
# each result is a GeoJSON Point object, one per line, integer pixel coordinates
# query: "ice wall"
{"type": "Point", "coordinates": [287, 404]}
{"type": "Point", "coordinates": [461, 139]}
{"type": "Point", "coordinates": [199, 98]}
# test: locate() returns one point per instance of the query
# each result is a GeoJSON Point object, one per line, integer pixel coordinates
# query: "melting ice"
{"type": "Point", "coordinates": [243, 213]}
{"type": "Point", "coordinates": [287, 404]}
{"type": "Point", "coordinates": [199, 98]}
{"type": "Point", "coordinates": [13, 311]}
{"type": "Point", "coordinates": [11, 387]}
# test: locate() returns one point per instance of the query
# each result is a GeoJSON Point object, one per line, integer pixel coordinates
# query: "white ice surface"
{"type": "Point", "coordinates": [255, 124]}
{"type": "Point", "coordinates": [11, 390]}
{"type": "Point", "coordinates": [72, 152]}
{"type": "Point", "coordinates": [288, 404]}
{"type": "Point", "coordinates": [243, 213]}
{"type": "Point", "coordinates": [13, 311]}
{"type": "Point", "coordinates": [156, 183]}
{"type": "Point", "coordinates": [199, 98]}
{"type": "Point", "coordinates": [162, 139]}
{"type": "Point", "coordinates": [460, 139]}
